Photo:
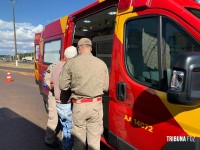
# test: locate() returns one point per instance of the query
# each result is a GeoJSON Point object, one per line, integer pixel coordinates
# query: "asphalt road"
{"type": "Point", "coordinates": [22, 114]}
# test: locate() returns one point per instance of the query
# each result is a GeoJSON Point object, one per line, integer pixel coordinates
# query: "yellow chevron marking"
{"type": "Point", "coordinates": [186, 116]}
{"type": "Point", "coordinates": [63, 22]}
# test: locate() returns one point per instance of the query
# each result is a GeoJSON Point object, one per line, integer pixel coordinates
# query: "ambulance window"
{"type": "Point", "coordinates": [141, 50]}
{"type": "Point", "coordinates": [52, 51]}
{"type": "Point", "coordinates": [36, 51]}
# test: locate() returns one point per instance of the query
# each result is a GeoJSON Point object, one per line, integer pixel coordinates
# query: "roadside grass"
{"type": "Point", "coordinates": [12, 64]}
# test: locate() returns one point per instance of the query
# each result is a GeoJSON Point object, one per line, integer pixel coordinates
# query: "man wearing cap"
{"type": "Point", "coordinates": [59, 103]}
{"type": "Point", "coordinates": [87, 76]}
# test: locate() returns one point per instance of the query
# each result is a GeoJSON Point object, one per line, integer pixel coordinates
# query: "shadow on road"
{"type": "Point", "coordinates": [17, 133]}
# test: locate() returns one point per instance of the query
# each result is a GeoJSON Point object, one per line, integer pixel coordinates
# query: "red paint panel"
{"type": "Point", "coordinates": [124, 4]}
{"type": "Point", "coordinates": [52, 29]}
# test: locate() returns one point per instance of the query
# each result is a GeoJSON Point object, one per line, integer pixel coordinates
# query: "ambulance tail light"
{"type": "Point", "coordinates": [185, 80]}
{"type": "Point", "coordinates": [139, 4]}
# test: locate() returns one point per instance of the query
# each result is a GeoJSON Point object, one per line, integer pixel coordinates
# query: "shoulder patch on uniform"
{"type": "Point", "coordinates": [50, 66]}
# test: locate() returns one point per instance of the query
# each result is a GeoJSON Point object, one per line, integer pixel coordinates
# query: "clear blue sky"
{"type": "Point", "coordinates": [30, 17]}
{"type": "Point", "coordinates": [40, 11]}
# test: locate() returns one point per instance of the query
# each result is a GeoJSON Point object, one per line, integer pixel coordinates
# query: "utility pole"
{"type": "Point", "coordinates": [15, 43]}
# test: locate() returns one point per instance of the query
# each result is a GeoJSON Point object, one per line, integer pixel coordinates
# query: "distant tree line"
{"type": "Point", "coordinates": [22, 55]}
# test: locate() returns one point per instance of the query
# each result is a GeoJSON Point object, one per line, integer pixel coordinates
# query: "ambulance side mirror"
{"type": "Point", "coordinates": [177, 80]}
{"type": "Point", "coordinates": [185, 80]}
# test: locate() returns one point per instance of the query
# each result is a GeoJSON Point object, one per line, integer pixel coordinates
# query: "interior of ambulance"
{"type": "Point", "coordinates": [99, 28]}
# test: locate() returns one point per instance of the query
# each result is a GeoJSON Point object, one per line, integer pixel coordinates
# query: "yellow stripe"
{"type": "Point", "coordinates": [101, 1]}
{"type": "Point", "coordinates": [36, 74]}
{"type": "Point", "coordinates": [186, 116]}
{"type": "Point", "coordinates": [63, 22]}
{"type": "Point", "coordinates": [120, 21]}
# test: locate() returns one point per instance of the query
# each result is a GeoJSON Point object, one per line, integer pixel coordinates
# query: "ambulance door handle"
{"type": "Point", "coordinates": [121, 91]}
